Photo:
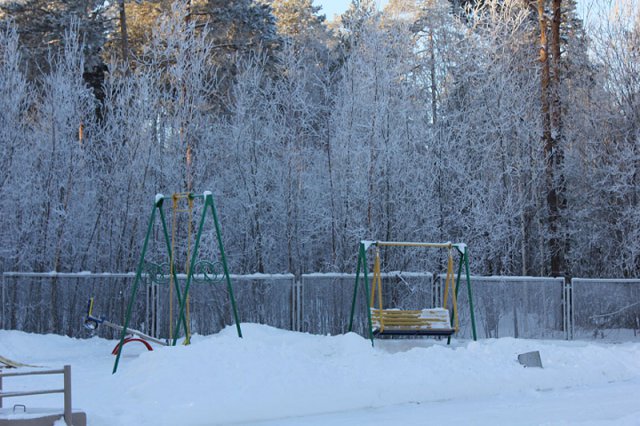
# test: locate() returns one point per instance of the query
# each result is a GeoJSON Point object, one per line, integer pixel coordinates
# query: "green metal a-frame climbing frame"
{"type": "Point", "coordinates": [181, 297]}
{"type": "Point", "coordinates": [362, 267]}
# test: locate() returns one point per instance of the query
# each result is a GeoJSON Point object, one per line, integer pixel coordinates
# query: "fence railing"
{"type": "Point", "coordinates": [320, 303]}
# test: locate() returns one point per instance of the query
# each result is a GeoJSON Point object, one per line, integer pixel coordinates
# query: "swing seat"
{"type": "Point", "coordinates": [425, 322]}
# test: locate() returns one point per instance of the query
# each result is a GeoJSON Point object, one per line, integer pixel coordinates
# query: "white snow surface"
{"type": "Point", "coordinates": [278, 377]}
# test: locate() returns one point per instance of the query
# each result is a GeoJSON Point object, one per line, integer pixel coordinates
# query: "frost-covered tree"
{"type": "Point", "coordinates": [488, 138]}
{"type": "Point", "coordinates": [604, 157]}
{"type": "Point", "coordinates": [427, 128]}
{"type": "Point", "coordinates": [65, 107]}
{"type": "Point", "coordinates": [187, 88]}
{"type": "Point", "coordinates": [15, 98]}
{"type": "Point", "coordinates": [253, 171]}
{"type": "Point", "coordinates": [53, 215]}
{"type": "Point", "coordinates": [300, 115]}
{"type": "Point", "coordinates": [376, 146]}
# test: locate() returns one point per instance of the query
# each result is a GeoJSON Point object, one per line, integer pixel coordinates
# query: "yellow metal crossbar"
{"type": "Point", "coordinates": [412, 244]}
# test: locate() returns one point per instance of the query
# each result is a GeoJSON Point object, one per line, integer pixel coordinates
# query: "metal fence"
{"type": "Point", "coordinates": [605, 309]}
{"type": "Point", "coordinates": [327, 298]}
{"type": "Point", "coordinates": [57, 302]}
{"type": "Point", "coordinates": [524, 307]}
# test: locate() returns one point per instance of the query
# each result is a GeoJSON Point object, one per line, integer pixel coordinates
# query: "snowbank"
{"type": "Point", "coordinates": [283, 376]}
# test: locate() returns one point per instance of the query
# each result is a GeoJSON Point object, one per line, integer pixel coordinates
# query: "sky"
{"type": "Point", "coordinates": [274, 377]}
{"type": "Point", "coordinates": [337, 7]}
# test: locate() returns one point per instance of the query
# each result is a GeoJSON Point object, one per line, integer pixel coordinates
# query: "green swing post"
{"type": "Point", "coordinates": [457, 283]}
{"type": "Point", "coordinates": [473, 319]}
{"type": "Point", "coordinates": [355, 290]}
{"type": "Point", "coordinates": [209, 199]}
{"type": "Point", "coordinates": [156, 205]}
{"type": "Point", "coordinates": [362, 260]}
{"type": "Point", "coordinates": [457, 286]}
{"type": "Point", "coordinates": [181, 296]}
{"type": "Point", "coordinates": [464, 259]}
{"type": "Point", "coordinates": [366, 293]}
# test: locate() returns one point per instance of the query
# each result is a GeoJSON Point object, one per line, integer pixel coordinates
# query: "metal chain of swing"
{"type": "Point", "coordinates": [376, 287]}
{"type": "Point", "coordinates": [175, 210]}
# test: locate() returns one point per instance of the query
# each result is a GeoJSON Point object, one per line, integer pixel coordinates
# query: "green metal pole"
{"type": "Point", "coordinates": [366, 291]}
{"type": "Point", "coordinates": [194, 255]}
{"type": "Point", "coordinates": [157, 205]}
{"type": "Point", "coordinates": [473, 319]}
{"type": "Point", "coordinates": [355, 289]}
{"type": "Point", "coordinates": [209, 200]}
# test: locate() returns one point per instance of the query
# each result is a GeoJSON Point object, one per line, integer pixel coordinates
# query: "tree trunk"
{"type": "Point", "coordinates": [558, 243]}
{"type": "Point", "coordinates": [124, 36]}
{"type": "Point", "coordinates": [549, 143]}
{"type": "Point", "coordinates": [432, 72]}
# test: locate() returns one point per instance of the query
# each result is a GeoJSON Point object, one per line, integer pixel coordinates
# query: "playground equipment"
{"type": "Point", "coordinates": [92, 323]}
{"type": "Point", "coordinates": [194, 268]}
{"type": "Point", "coordinates": [437, 321]}
{"type": "Point", "coordinates": [9, 363]}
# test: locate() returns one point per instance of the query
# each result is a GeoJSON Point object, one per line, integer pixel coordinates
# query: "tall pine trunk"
{"type": "Point", "coordinates": [549, 92]}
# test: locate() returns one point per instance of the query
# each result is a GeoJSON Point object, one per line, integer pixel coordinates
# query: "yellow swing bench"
{"type": "Point", "coordinates": [398, 322]}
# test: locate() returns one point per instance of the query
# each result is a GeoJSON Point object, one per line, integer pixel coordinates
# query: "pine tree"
{"type": "Point", "coordinates": [298, 18]}
{"type": "Point", "coordinates": [42, 25]}
{"type": "Point", "coordinates": [237, 25]}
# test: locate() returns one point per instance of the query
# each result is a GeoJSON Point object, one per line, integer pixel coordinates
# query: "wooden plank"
{"type": "Point", "coordinates": [435, 321]}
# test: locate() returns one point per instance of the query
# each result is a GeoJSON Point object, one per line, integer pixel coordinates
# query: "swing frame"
{"type": "Point", "coordinates": [362, 268]}
{"type": "Point", "coordinates": [181, 295]}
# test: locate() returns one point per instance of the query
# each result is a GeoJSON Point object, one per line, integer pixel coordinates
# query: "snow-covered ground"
{"type": "Point", "coordinates": [276, 377]}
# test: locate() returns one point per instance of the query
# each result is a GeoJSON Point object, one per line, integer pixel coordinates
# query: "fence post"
{"type": "Point", "coordinates": [0, 390]}
{"type": "Point", "coordinates": [3, 301]}
{"type": "Point", "coordinates": [567, 308]}
{"type": "Point", "coordinates": [436, 293]}
{"type": "Point", "coordinates": [571, 309]}
{"type": "Point", "coordinates": [296, 302]}
{"type": "Point", "coordinates": [67, 396]}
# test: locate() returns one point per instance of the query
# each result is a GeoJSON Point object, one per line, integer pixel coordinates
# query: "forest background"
{"type": "Point", "coordinates": [502, 124]}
